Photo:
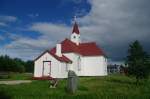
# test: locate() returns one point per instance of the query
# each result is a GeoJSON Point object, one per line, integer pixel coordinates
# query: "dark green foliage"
{"type": "Point", "coordinates": [29, 66]}
{"type": "Point", "coordinates": [19, 65]}
{"type": "Point", "coordinates": [4, 95]}
{"type": "Point", "coordinates": [8, 64]}
{"type": "Point", "coordinates": [137, 62]}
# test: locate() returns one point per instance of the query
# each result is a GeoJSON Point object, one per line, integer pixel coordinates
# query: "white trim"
{"type": "Point", "coordinates": [79, 63]}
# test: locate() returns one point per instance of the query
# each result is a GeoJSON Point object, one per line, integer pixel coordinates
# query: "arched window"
{"type": "Point", "coordinates": [79, 63]}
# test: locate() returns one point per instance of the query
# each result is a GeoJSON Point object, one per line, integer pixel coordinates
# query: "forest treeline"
{"type": "Point", "coordinates": [8, 64]}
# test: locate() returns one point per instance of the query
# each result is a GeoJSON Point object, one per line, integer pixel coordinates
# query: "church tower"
{"type": "Point", "coordinates": [75, 36]}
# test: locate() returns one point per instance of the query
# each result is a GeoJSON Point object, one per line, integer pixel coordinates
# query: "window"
{"type": "Point", "coordinates": [79, 63]}
{"type": "Point", "coordinates": [105, 60]}
{"type": "Point", "coordinates": [66, 67]}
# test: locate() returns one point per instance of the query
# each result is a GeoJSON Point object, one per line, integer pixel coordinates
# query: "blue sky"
{"type": "Point", "coordinates": [28, 27]}
{"type": "Point", "coordinates": [30, 11]}
{"type": "Point", "coordinates": [46, 10]}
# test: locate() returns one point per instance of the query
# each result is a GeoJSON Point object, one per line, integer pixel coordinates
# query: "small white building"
{"type": "Point", "coordinates": [85, 59]}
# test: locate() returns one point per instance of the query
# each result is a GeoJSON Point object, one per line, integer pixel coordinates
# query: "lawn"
{"type": "Point", "coordinates": [16, 76]}
{"type": "Point", "coordinates": [109, 87]}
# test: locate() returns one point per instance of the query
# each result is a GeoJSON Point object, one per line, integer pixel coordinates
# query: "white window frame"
{"type": "Point", "coordinates": [67, 67]}
{"type": "Point", "coordinates": [79, 63]}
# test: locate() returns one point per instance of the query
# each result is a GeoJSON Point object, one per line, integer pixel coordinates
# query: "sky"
{"type": "Point", "coordinates": [29, 27]}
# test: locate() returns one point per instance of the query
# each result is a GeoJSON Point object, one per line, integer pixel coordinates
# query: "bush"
{"type": "Point", "coordinates": [8, 64]}
{"type": "Point", "coordinates": [4, 95]}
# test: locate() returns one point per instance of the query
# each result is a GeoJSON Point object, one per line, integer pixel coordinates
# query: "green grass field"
{"type": "Point", "coordinates": [109, 87]}
{"type": "Point", "coordinates": [16, 76]}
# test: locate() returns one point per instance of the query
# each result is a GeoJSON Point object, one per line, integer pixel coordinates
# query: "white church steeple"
{"type": "Point", "coordinates": [75, 36]}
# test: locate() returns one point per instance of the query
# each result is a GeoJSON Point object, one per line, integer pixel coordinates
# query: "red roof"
{"type": "Point", "coordinates": [63, 58]}
{"type": "Point", "coordinates": [75, 28]}
{"type": "Point", "coordinates": [85, 49]}
{"type": "Point", "coordinates": [90, 49]}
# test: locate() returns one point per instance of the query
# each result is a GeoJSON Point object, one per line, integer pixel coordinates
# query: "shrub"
{"type": "Point", "coordinates": [4, 95]}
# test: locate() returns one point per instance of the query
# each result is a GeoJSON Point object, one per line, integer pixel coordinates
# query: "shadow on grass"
{"type": "Point", "coordinates": [128, 82]}
{"type": "Point", "coordinates": [113, 80]}
{"type": "Point", "coordinates": [82, 88]}
{"type": "Point", "coordinates": [4, 95]}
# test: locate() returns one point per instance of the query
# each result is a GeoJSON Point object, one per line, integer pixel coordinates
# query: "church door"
{"type": "Point", "coordinates": [46, 68]}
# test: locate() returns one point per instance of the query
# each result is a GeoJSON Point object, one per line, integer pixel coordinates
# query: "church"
{"type": "Point", "coordinates": [85, 59]}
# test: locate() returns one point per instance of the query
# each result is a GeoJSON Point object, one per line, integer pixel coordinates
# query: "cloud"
{"type": "Point", "coordinates": [1, 38]}
{"type": "Point", "coordinates": [3, 24]}
{"type": "Point", "coordinates": [112, 24]}
{"type": "Point", "coordinates": [33, 15]}
{"type": "Point", "coordinates": [116, 23]}
{"type": "Point", "coordinates": [51, 30]}
{"type": "Point", "coordinates": [4, 18]}
{"type": "Point", "coordinates": [25, 47]}
{"type": "Point", "coordinates": [29, 48]}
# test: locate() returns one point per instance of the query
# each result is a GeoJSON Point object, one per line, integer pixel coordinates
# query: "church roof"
{"type": "Point", "coordinates": [84, 49]}
{"type": "Point", "coordinates": [63, 58]}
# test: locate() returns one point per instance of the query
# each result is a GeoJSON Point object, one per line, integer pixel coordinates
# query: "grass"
{"type": "Point", "coordinates": [110, 87]}
{"type": "Point", "coordinates": [16, 76]}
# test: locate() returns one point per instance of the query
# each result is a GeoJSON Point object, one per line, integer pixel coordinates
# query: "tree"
{"type": "Point", "coordinates": [19, 65]}
{"type": "Point", "coordinates": [137, 62]}
{"type": "Point", "coordinates": [8, 64]}
{"type": "Point", "coordinates": [29, 66]}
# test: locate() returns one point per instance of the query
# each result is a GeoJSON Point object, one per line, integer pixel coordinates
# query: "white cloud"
{"type": "Point", "coordinates": [3, 24]}
{"type": "Point", "coordinates": [25, 47]}
{"type": "Point", "coordinates": [51, 30]}
{"type": "Point", "coordinates": [33, 15]}
{"type": "Point", "coordinates": [29, 48]}
{"type": "Point", "coordinates": [4, 18]}
{"type": "Point", "coordinates": [2, 37]}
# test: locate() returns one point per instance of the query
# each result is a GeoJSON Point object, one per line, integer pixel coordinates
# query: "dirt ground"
{"type": "Point", "coordinates": [14, 82]}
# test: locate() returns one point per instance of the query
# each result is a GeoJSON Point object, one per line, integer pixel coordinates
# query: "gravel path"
{"type": "Point", "coordinates": [14, 82]}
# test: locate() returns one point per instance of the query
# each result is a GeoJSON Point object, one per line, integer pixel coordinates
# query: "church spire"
{"type": "Point", "coordinates": [75, 36]}
{"type": "Point", "coordinates": [75, 27]}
